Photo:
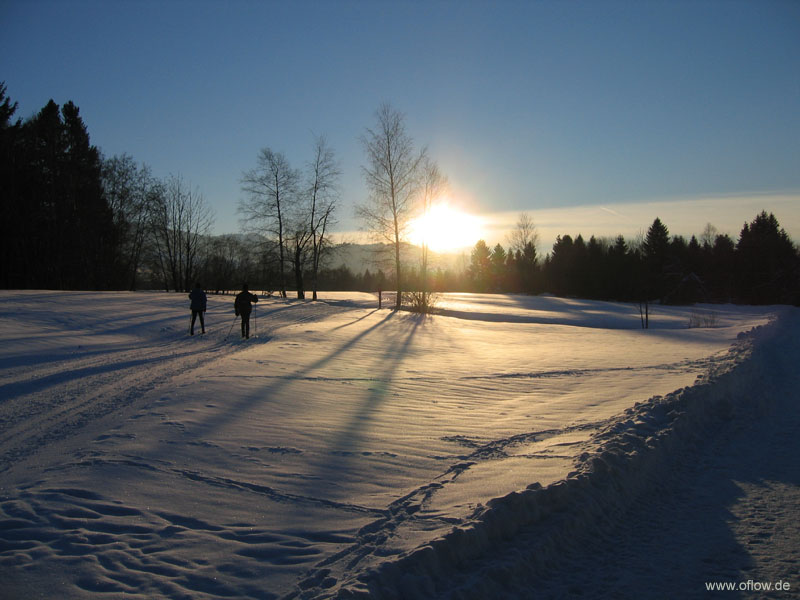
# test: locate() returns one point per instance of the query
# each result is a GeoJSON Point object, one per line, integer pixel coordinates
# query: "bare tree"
{"type": "Point", "coordinates": [322, 190]}
{"type": "Point", "coordinates": [523, 234]}
{"type": "Point", "coordinates": [709, 235]}
{"type": "Point", "coordinates": [180, 219]}
{"type": "Point", "coordinates": [130, 190]}
{"type": "Point", "coordinates": [392, 178]}
{"type": "Point", "coordinates": [271, 187]}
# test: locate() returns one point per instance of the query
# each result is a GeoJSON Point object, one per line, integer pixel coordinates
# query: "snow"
{"type": "Point", "coordinates": [344, 450]}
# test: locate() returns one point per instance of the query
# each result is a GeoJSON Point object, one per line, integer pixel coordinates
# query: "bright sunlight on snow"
{"type": "Point", "coordinates": [342, 447]}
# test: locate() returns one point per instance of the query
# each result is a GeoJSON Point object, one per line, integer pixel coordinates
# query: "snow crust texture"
{"type": "Point", "coordinates": [532, 543]}
{"type": "Point", "coordinates": [504, 448]}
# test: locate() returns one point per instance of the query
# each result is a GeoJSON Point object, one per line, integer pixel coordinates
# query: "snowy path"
{"type": "Point", "coordinates": [138, 460]}
{"type": "Point", "coordinates": [66, 367]}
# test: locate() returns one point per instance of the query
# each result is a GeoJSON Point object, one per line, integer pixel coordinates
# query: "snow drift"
{"type": "Point", "coordinates": [636, 452]}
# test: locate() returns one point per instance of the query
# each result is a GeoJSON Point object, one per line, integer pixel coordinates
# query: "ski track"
{"type": "Point", "coordinates": [55, 401]}
{"type": "Point", "coordinates": [113, 547]}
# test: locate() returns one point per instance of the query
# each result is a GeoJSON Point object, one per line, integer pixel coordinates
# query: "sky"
{"type": "Point", "coordinates": [593, 117]}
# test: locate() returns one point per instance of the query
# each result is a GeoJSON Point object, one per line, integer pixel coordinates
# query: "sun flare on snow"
{"type": "Point", "coordinates": [445, 228]}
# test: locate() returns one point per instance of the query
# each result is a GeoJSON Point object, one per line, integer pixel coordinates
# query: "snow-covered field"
{"type": "Point", "coordinates": [510, 446]}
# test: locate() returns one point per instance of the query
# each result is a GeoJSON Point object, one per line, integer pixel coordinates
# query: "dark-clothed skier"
{"type": "Point", "coordinates": [243, 306]}
{"type": "Point", "coordinates": [198, 306]}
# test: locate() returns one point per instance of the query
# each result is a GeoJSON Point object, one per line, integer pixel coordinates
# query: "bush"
{"type": "Point", "coordinates": [700, 318]}
{"type": "Point", "coordinates": [421, 302]}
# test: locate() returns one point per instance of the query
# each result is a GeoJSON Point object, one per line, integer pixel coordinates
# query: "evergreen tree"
{"type": "Point", "coordinates": [766, 262]}
{"type": "Point", "coordinates": [721, 269]}
{"type": "Point", "coordinates": [61, 229]}
{"type": "Point", "coordinates": [594, 271]}
{"type": "Point", "coordinates": [560, 266]}
{"type": "Point", "coordinates": [480, 267]}
{"type": "Point", "coordinates": [656, 249]}
{"type": "Point", "coordinates": [93, 237]}
{"type": "Point", "coordinates": [11, 240]}
{"type": "Point", "coordinates": [527, 266]}
{"type": "Point", "coordinates": [656, 243]}
{"type": "Point", "coordinates": [498, 269]}
{"type": "Point", "coordinates": [620, 266]}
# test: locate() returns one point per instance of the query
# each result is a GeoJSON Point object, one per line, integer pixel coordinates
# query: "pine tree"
{"type": "Point", "coordinates": [60, 229]}
{"type": "Point", "coordinates": [721, 270]}
{"type": "Point", "coordinates": [11, 209]}
{"type": "Point", "coordinates": [498, 269]}
{"type": "Point", "coordinates": [766, 262]}
{"type": "Point", "coordinates": [656, 249]}
{"type": "Point", "coordinates": [93, 235]}
{"type": "Point", "coordinates": [480, 266]}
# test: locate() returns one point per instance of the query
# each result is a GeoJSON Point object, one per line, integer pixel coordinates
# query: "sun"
{"type": "Point", "coordinates": [445, 228]}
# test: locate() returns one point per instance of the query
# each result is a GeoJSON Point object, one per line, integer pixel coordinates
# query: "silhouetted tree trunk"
{"type": "Point", "coordinates": [391, 176]}
{"type": "Point", "coordinates": [323, 193]}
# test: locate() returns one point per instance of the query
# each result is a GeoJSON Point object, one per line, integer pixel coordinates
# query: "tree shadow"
{"type": "Point", "coordinates": [346, 444]}
{"type": "Point", "coordinates": [241, 406]}
{"type": "Point", "coordinates": [354, 321]}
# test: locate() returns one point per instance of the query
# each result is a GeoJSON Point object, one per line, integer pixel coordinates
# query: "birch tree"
{"type": "Point", "coordinates": [323, 193]}
{"type": "Point", "coordinates": [392, 178]}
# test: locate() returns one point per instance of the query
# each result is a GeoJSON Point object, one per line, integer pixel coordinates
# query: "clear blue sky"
{"type": "Point", "coordinates": [525, 105]}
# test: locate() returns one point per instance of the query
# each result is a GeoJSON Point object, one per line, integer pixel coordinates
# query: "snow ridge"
{"type": "Point", "coordinates": [629, 456]}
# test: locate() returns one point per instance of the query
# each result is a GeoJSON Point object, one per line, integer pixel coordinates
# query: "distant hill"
{"type": "Point", "coordinates": [359, 257]}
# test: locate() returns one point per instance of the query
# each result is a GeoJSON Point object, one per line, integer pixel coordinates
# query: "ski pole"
{"type": "Point", "coordinates": [255, 319]}
{"type": "Point", "coordinates": [231, 329]}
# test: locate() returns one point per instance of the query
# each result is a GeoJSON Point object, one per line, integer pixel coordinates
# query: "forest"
{"type": "Point", "coordinates": [73, 219]}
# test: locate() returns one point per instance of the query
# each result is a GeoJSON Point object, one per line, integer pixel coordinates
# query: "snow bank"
{"type": "Point", "coordinates": [640, 449]}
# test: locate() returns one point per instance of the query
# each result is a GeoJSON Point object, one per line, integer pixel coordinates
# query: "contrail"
{"type": "Point", "coordinates": [615, 213]}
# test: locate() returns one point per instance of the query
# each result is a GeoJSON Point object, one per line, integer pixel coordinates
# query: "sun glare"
{"type": "Point", "coordinates": [444, 228]}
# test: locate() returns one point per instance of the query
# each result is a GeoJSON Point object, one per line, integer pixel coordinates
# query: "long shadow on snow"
{"type": "Point", "coordinates": [554, 310]}
{"type": "Point", "coordinates": [353, 322]}
{"type": "Point", "coordinates": [666, 525]}
{"type": "Point", "coordinates": [240, 407]}
{"type": "Point", "coordinates": [346, 444]}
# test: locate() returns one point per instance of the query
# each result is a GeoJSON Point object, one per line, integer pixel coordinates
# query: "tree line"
{"type": "Point", "coordinates": [73, 219]}
{"type": "Point", "coordinates": [761, 267]}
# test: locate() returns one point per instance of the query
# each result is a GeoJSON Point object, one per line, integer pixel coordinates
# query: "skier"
{"type": "Point", "coordinates": [243, 306]}
{"type": "Point", "coordinates": [198, 306]}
